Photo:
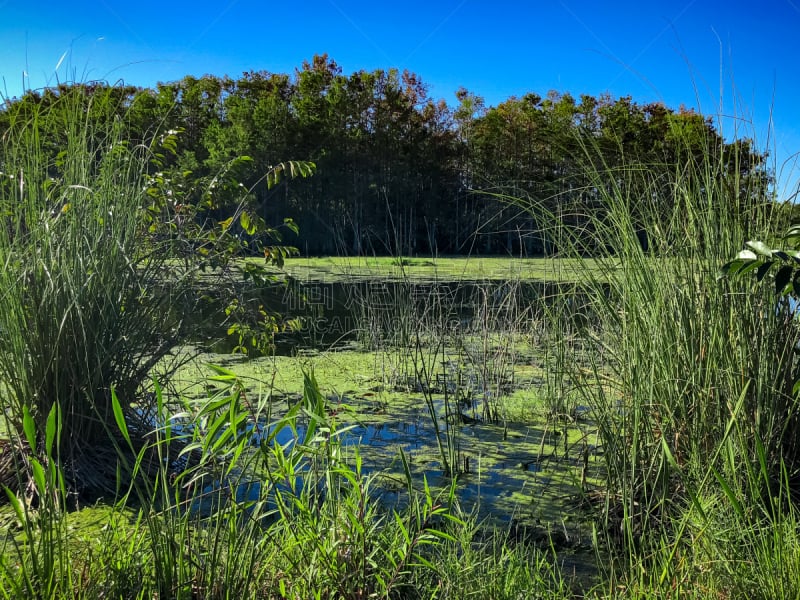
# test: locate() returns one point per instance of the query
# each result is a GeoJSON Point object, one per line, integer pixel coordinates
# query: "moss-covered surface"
{"type": "Point", "coordinates": [438, 268]}
{"type": "Point", "coordinates": [517, 458]}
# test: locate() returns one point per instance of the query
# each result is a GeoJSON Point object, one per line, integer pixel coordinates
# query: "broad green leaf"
{"type": "Point", "coordinates": [29, 427]}
{"type": "Point", "coordinates": [291, 225]}
{"type": "Point", "coordinates": [793, 235]}
{"type": "Point", "coordinates": [759, 248]}
{"type": "Point", "coordinates": [119, 417]}
{"type": "Point", "coordinates": [740, 266]}
{"type": "Point", "coordinates": [16, 503]}
{"type": "Point", "coordinates": [782, 278]}
{"type": "Point", "coordinates": [249, 224]}
{"type": "Point", "coordinates": [780, 254]}
{"type": "Point", "coordinates": [748, 267]}
{"type": "Point", "coordinates": [747, 255]}
{"type": "Point", "coordinates": [763, 270]}
{"type": "Point", "coordinates": [38, 477]}
{"type": "Point", "coordinates": [51, 428]}
{"type": "Point", "coordinates": [730, 268]}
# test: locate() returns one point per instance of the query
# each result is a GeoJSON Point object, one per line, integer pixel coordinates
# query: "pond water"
{"type": "Point", "coordinates": [530, 472]}
{"type": "Point", "coordinates": [527, 476]}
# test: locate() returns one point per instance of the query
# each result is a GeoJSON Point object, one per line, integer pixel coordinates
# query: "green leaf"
{"type": "Point", "coordinates": [160, 411]}
{"type": "Point", "coordinates": [729, 268]}
{"type": "Point", "coordinates": [425, 562]}
{"type": "Point", "coordinates": [313, 406]}
{"type": "Point", "coordinates": [247, 223]}
{"type": "Point", "coordinates": [219, 432]}
{"type": "Point", "coordinates": [16, 503]}
{"type": "Point", "coordinates": [291, 225]}
{"type": "Point", "coordinates": [402, 528]}
{"type": "Point", "coordinates": [746, 255]}
{"type": "Point", "coordinates": [745, 262]}
{"type": "Point", "coordinates": [189, 448]}
{"type": "Point", "coordinates": [442, 535]}
{"type": "Point", "coordinates": [748, 267]}
{"type": "Point", "coordinates": [668, 454]}
{"type": "Point", "coordinates": [763, 270]}
{"type": "Point", "coordinates": [38, 477]}
{"type": "Point", "coordinates": [793, 235]}
{"type": "Point", "coordinates": [51, 428]}
{"type": "Point", "coordinates": [759, 248]}
{"type": "Point", "coordinates": [119, 417]}
{"type": "Point", "coordinates": [737, 506]}
{"type": "Point", "coordinates": [29, 427]}
{"type": "Point", "coordinates": [782, 278]}
{"type": "Point", "coordinates": [780, 254]}
{"type": "Point", "coordinates": [223, 375]}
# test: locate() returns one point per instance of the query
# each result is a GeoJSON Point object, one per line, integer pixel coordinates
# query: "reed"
{"type": "Point", "coordinates": [689, 377]}
{"type": "Point", "coordinates": [87, 300]}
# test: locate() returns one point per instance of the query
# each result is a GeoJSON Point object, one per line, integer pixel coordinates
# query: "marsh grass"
{"type": "Point", "coordinates": [452, 341]}
{"type": "Point", "coordinates": [689, 378]}
{"type": "Point", "coordinates": [84, 297]}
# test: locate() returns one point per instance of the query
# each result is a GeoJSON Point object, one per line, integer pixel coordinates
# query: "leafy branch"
{"type": "Point", "coordinates": [758, 257]}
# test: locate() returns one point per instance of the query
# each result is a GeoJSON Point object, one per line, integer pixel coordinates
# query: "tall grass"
{"type": "Point", "coordinates": [694, 388]}
{"type": "Point", "coordinates": [86, 301]}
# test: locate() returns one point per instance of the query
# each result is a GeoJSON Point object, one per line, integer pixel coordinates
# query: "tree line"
{"type": "Point", "coordinates": [399, 172]}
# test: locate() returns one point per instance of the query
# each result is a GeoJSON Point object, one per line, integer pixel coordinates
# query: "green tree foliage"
{"type": "Point", "coordinates": [399, 172]}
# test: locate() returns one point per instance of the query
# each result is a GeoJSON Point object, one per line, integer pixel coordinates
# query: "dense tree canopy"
{"type": "Point", "coordinates": [401, 172]}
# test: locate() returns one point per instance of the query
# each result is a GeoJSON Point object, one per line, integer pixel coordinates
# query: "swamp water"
{"type": "Point", "coordinates": [392, 355]}
{"type": "Point", "coordinates": [376, 311]}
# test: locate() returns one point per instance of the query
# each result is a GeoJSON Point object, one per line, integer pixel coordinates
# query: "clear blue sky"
{"type": "Point", "coordinates": [730, 58]}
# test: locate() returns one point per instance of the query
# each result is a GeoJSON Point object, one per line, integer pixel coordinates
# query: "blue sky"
{"type": "Point", "coordinates": [736, 59]}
